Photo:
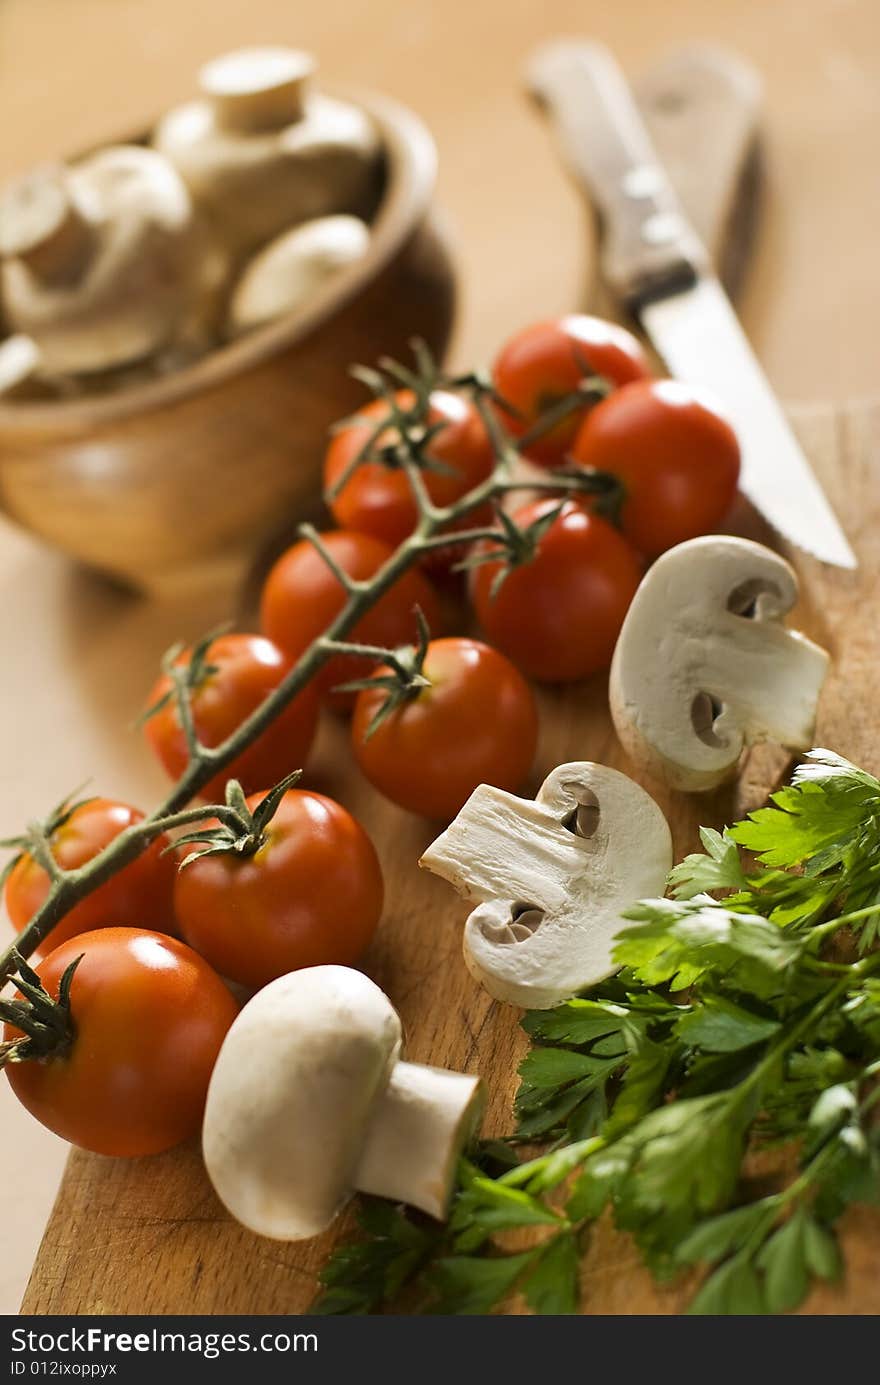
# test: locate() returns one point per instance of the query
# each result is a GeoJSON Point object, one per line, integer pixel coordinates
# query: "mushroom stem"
{"type": "Point", "coordinates": [770, 679]}
{"type": "Point", "coordinates": [418, 1128]}
{"type": "Point", "coordinates": [258, 89]}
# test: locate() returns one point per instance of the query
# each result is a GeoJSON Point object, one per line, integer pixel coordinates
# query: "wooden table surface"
{"type": "Point", "coordinates": [80, 655]}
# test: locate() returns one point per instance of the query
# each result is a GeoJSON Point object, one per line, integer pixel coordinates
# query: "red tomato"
{"type": "Point", "coordinates": [378, 499]}
{"type": "Point", "coordinates": [302, 597]}
{"type": "Point", "coordinates": [311, 894]}
{"type": "Point", "coordinates": [150, 1016]}
{"type": "Point", "coordinates": [677, 457]}
{"type": "Point", "coordinates": [140, 896]}
{"type": "Point", "coordinates": [559, 615]}
{"type": "Point", "coordinates": [477, 723]}
{"type": "Point", "coordinates": [248, 668]}
{"type": "Point", "coordinates": [543, 363]}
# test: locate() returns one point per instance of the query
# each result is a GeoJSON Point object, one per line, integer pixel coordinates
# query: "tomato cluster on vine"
{"type": "Point", "coordinates": [434, 677]}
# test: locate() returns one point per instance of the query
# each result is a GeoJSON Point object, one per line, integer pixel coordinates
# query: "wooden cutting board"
{"type": "Point", "coordinates": [149, 1235]}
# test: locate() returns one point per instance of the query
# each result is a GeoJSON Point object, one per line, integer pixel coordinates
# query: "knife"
{"type": "Point", "coordinates": [659, 271]}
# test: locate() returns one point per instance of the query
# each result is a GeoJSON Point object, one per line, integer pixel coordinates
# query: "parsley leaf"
{"type": "Point", "coordinates": [676, 942]}
{"type": "Point", "coordinates": [552, 1286]}
{"type": "Point", "coordinates": [466, 1284]}
{"type": "Point", "coordinates": [720, 1026]}
{"type": "Point", "coordinates": [719, 869]}
{"type": "Point", "coordinates": [361, 1276]}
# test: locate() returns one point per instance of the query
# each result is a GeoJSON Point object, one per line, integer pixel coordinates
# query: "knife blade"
{"type": "Point", "coordinates": [657, 268]}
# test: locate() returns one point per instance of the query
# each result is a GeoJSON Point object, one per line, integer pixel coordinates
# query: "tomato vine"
{"type": "Point", "coordinates": [69, 886]}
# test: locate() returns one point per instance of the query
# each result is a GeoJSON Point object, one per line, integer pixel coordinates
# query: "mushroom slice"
{"type": "Point", "coordinates": [551, 878]}
{"type": "Point", "coordinates": [309, 1100]}
{"type": "Point", "coordinates": [704, 666]}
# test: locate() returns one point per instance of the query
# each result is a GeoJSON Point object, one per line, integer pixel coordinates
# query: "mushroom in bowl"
{"type": "Point", "coordinates": [191, 473]}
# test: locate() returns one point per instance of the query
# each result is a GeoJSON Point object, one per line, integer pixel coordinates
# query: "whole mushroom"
{"type": "Point", "coordinates": [704, 666]}
{"type": "Point", "coordinates": [291, 269]}
{"type": "Point", "coordinates": [552, 878]}
{"type": "Point", "coordinates": [310, 1100]}
{"type": "Point", "coordinates": [99, 259]}
{"type": "Point", "coordinates": [260, 151]}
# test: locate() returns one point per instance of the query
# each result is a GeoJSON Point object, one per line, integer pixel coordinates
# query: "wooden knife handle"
{"type": "Point", "coordinates": [649, 250]}
{"type": "Point", "coordinates": [702, 106]}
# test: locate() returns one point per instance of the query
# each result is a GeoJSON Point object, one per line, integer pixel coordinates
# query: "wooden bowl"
{"type": "Point", "coordinates": [187, 477]}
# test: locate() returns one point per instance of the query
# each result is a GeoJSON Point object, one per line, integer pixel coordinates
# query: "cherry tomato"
{"type": "Point", "coordinates": [149, 1016]}
{"type": "Point", "coordinates": [378, 498]}
{"type": "Point", "coordinates": [559, 615]}
{"type": "Point", "coordinates": [140, 896]}
{"type": "Point", "coordinates": [311, 894]}
{"type": "Point", "coordinates": [246, 669]}
{"type": "Point", "coordinates": [477, 723]}
{"type": "Point", "coordinates": [301, 598]}
{"type": "Point", "coordinates": [543, 363]}
{"type": "Point", "coordinates": [677, 457]}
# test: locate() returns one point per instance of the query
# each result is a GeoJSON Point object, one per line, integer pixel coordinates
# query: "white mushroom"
{"type": "Point", "coordinates": [261, 152]}
{"type": "Point", "coordinates": [283, 277]}
{"type": "Point", "coordinates": [19, 367]}
{"type": "Point", "coordinates": [704, 666]}
{"type": "Point", "coordinates": [99, 259]}
{"type": "Point", "coordinates": [310, 1100]}
{"type": "Point", "coordinates": [552, 878]}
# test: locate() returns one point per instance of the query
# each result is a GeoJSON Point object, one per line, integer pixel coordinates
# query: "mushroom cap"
{"type": "Point", "coordinates": [110, 268]}
{"type": "Point", "coordinates": [33, 210]}
{"type": "Point", "coordinates": [291, 268]}
{"type": "Point", "coordinates": [704, 666]}
{"type": "Point", "coordinates": [127, 178]}
{"type": "Point", "coordinates": [290, 1098]}
{"type": "Point", "coordinates": [19, 365]}
{"type": "Point", "coordinates": [552, 878]}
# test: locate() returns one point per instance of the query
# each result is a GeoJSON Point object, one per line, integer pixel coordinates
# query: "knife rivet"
{"type": "Point", "coordinates": [642, 181]}
{"type": "Point", "coordinates": [661, 228]}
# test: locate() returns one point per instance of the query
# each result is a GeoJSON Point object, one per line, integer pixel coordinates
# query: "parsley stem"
{"type": "Point", "coordinates": [842, 920]}
{"type": "Point", "coordinates": [804, 1025]}
{"type": "Point", "coordinates": [560, 1162]}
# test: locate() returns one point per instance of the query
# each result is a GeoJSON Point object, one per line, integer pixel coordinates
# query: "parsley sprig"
{"type": "Point", "coordinates": [745, 1018]}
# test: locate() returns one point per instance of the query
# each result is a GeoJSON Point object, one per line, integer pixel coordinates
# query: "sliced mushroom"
{"type": "Point", "coordinates": [704, 666]}
{"type": "Point", "coordinates": [99, 259]}
{"type": "Point", "coordinates": [551, 878]}
{"type": "Point", "coordinates": [310, 1100]}
{"type": "Point", "coordinates": [261, 152]}
{"type": "Point", "coordinates": [283, 277]}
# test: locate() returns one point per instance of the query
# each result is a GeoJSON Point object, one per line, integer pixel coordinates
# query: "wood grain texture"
{"type": "Point", "coordinates": [149, 1235]}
